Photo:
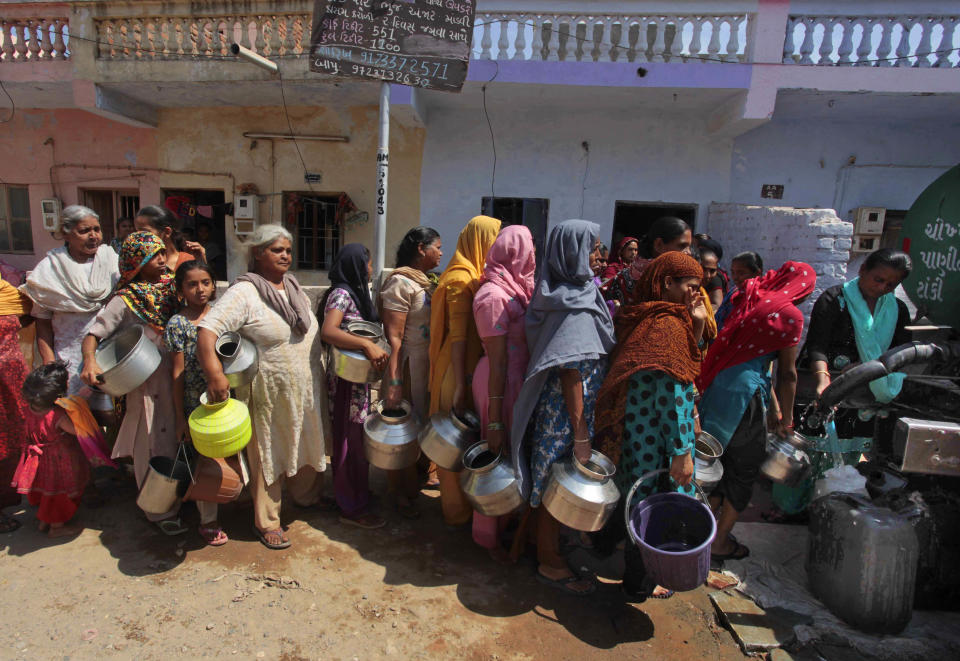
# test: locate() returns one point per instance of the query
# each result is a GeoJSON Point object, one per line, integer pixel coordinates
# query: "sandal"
{"type": "Point", "coordinates": [739, 552]}
{"type": "Point", "coordinates": [408, 510]}
{"type": "Point", "coordinates": [213, 534]}
{"type": "Point", "coordinates": [171, 527]}
{"type": "Point", "coordinates": [8, 523]}
{"type": "Point", "coordinates": [366, 521]}
{"type": "Point", "coordinates": [563, 584]}
{"type": "Point", "coordinates": [266, 536]}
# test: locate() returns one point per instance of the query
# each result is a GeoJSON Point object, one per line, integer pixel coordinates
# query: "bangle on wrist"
{"type": "Point", "coordinates": [395, 382]}
{"type": "Point", "coordinates": [495, 426]}
{"type": "Point", "coordinates": [495, 397]}
{"type": "Point", "coordinates": [823, 372]}
{"type": "Point", "coordinates": [581, 440]}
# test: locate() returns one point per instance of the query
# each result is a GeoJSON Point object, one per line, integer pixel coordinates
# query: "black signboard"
{"type": "Point", "coordinates": [421, 43]}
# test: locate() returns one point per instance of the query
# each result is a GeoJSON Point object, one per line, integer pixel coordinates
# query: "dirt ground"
{"type": "Point", "coordinates": [411, 590]}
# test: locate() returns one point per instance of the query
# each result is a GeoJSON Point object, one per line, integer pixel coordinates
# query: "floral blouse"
{"type": "Point", "coordinates": [340, 299]}
{"type": "Point", "coordinates": [180, 336]}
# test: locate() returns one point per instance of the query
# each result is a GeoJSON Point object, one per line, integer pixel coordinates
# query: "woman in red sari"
{"type": "Point", "coordinates": [12, 409]}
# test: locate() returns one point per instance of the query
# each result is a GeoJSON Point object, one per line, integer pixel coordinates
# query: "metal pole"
{"type": "Point", "coordinates": [383, 163]}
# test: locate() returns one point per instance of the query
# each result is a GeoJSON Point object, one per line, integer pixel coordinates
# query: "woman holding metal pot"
{"type": "Point", "coordinates": [569, 335]}
{"type": "Point", "coordinates": [287, 398]}
{"type": "Point", "coordinates": [69, 287]}
{"type": "Point", "coordinates": [405, 299]}
{"type": "Point", "coordinates": [645, 409]}
{"type": "Point", "coordinates": [145, 296]}
{"type": "Point", "coordinates": [347, 300]}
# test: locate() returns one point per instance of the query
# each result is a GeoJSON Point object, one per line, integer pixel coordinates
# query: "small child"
{"type": "Point", "coordinates": [54, 468]}
{"type": "Point", "coordinates": [196, 286]}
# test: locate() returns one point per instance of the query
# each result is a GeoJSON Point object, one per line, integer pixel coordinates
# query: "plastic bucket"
{"type": "Point", "coordinates": [673, 532]}
{"type": "Point", "coordinates": [166, 482]}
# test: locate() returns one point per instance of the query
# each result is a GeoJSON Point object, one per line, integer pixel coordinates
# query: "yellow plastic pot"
{"type": "Point", "coordinates": [220, 430]}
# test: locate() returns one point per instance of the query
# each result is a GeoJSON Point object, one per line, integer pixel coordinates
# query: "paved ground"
{"type": "Point", "coordinates": [411, 590]}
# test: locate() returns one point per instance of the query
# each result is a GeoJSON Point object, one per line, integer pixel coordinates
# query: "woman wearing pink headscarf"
{"type": "Point", "coordinates": [499, 307]}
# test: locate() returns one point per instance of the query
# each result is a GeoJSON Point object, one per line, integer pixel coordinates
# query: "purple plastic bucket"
{"type": "Point", "coordinates": [673, 532]}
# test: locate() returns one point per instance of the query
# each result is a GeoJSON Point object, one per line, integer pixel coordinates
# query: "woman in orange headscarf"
{"type": "Point", "coordinates": [455, 346]}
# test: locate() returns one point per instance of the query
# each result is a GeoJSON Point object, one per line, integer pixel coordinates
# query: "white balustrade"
{"type": "Point", "coordinates": [170, 37]}
{"type": "Point", "coordinates": [34, 40]}
{"type": "Point", "coordinates": [873, 41]}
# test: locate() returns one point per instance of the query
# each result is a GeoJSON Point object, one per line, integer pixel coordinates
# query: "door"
{"type": "Point", "coordinates": [635, 218]}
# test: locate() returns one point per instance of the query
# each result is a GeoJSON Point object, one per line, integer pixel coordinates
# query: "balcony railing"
{"type": "Point", "coordinates": [877, 41]}
{"type": "Point", "coordinates": [34, 40]}
{"type": "Point", "coordinates": [517, 36]}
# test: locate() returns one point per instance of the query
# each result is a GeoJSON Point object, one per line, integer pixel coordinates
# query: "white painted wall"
{"type": "Point", "coordinates": [892, 162]}
{"type": "Point", "coordinates": [644, 157]}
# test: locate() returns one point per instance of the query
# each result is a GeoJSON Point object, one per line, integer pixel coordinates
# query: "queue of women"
{"type": "Point", "coordinates": [620, 354]}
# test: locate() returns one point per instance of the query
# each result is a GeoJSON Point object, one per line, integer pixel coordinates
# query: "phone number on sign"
{"type": "Point", "coordinates": [403, 64]}
{"type": "Point", "coordinates": [390, 76]}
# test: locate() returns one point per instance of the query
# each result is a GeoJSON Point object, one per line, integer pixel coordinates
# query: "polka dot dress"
{"type": "Point", "coordinates": [658, 426]}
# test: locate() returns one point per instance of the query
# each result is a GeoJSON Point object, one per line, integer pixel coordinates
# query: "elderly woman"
{"type": "Point", "coordinates": [165, 225]}
{"type": "Point", "coordinates": [145, 297]}
{"type": "Point", "coordinates": [455, 346]}
{"type": "Point", "coordinates": [288, 398]}
{"type": "Point", "coordinates": [499, 310]}
{"type": "Point", "coordinates": [69, 287]}
{"type": "Point", "coordinates": [405, 307]}
{"type": "Point", "coordinates": [852, 323]}
{"type": "Point", "coordinates": [13, 371]}
{"type": "Point", "coordinates": [764, 325]}
{"type": "Point", "coordinates": [569, 335]}
{"type": "Point", "coordinates": [645, 411]}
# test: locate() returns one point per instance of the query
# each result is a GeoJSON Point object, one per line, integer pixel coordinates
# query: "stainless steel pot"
{"type": "Point", "coordinates": [390, 441]}
{"type": "Point", "coordinates": [488, 482]}
{"type": "Point", "coordinates": [446, 437]}
{"type": "Point", "coordinates": [787, 461]}
{"type": "Point", "coordinates": [707, 470]}
{"type": "Point", "coordinates": [353, 366]}
{"type": "Point", "coordinates": [239, 357]}
{"type": "Point", "coordinates": [100, 401]}
{"type": "Point", "coordinates": [580, 495]}
{"type": "Point", "coordinates": [127, 358]}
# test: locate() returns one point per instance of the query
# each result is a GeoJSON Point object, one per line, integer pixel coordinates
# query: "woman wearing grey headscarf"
{"type": "Point", "coordinates": [569, 333]}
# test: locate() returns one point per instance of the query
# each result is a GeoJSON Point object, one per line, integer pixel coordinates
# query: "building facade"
{"type": "Point", "coordinates": [733, 115]}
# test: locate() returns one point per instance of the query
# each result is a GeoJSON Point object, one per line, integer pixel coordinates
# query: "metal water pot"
{"type": "Point", "coordinates": [489, 483]}
{"type": "Point", "coordinates": [353, 366]}
{"type": "Point", "coordinates": [707, 469]}
{"type": "Point", "coordinates": [787, 461]}
{"type": "Point", "coordinates": [446, 437]}
{"type": "Point", "coordinates": [239, 357]}
{"type": "Point", "coordinates": [128, 358]}
{"type": "Point", "coordinates": [582, 495]}
{"type": "Point", "coordinates": [390, 437]}
{"type": "Point", "coordinates": [100, 401]}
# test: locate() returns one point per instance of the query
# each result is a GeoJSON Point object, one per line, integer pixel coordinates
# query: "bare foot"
{"type": "Point", "coordinates": [501, 555]}
{"type": "Point", "coordinates": [63, 530]}
{"type": "Point", "coordinates": [42, 526]}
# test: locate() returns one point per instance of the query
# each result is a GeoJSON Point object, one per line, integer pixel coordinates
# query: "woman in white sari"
{"type": "Point", "coordinates": [69, 287]}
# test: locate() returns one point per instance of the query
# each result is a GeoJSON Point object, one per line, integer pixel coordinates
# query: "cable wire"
{"type": "Point", "coordinates": [493, 142]}
{"type": "Point", "coordinates": [286, 113]}
{"type": "Point", "coordinates": [13, 105]}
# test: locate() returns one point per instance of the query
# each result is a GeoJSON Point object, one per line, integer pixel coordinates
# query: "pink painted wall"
{"type": "Point", "coordinates": [77, 137]}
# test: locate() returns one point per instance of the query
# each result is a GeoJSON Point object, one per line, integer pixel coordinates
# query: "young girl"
{"type": "Point", "coordinates": [196, 286]}
{"type": "Point", "coordinates": [63, 439]}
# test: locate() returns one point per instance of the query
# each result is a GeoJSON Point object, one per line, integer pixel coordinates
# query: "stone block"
{"type": "Point", "coordinates": [832, 256]}
{"type": "Point", "coordinates": [825, 243]}
{"type": "Point", "coordinates": [756, 629]}
{"type": "Point", "coordinates": [839, 228]}
{"type": "Point", "coordinates": [844, 244]}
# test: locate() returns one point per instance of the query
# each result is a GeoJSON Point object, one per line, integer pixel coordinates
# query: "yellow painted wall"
{"type": "Point", "coordinates": [211, 140]}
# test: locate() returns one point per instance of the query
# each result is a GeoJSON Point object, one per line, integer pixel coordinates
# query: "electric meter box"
{"type": "Point", "coordinates": [50, 211]}
{"type": "Point", "coordinates": [245, 207]}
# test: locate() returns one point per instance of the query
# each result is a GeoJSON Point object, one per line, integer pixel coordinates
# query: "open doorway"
{"type": "Point", "coordinates": [635, 218]}
{"type": "Point", "coordinates": [532, 212]}
{"type": "Point", "coordinates": [202, 215]}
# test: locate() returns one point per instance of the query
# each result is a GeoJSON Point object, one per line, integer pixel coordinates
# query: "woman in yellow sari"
{"type": "Point", "coordinates": [455, 346]}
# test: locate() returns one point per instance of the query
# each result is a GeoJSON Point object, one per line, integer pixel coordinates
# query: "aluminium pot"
{"type": "Point", "coordinates": [239, 357]}
{"type": "Point", "coordinates": [582, 495]}
{"type": "Point", "coordinates": [446, 437]}
{"type": "Point", "coordinates": [707, 469]}
{"type": "Point", "coordinates": [165, 483]}
{"type": "Point", "coordinates": [787, 462]}
{"type": "Point", "coordinates": [99, 401]}
{"type": "Point", "coordinates": [390, 437]}
{"type": "Point", "coordinates": [354, 366]}
{"type": "Point", "coordinates": [128, 358]}
{"type": "Point", "coordinates": [489, 483]}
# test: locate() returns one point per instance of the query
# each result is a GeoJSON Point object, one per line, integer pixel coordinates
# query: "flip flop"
{"type": "Point", "coordinates": [262, 536]}
{"type": "Point", "coordinates": [563, 584]}
{"type": "Point", "coordinates": [171, 527]}
{"type": "Point", "coordinates": [8, 523]}
{"type": "Point", "coordinates": [739, 552]}
{"type": "Point", "coordinates": [213, 535]}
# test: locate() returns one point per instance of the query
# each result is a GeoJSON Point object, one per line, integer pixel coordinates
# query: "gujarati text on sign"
{"type": "Point", "coordinates": [421, 43]}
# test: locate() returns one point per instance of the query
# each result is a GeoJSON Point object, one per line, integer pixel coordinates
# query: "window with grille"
{"type": "Point", "coordinates": [313, 221]}
{"type": "Point", "coordinates": [529, 211]}
{"type": "Point", "coordinates": [16, 235]}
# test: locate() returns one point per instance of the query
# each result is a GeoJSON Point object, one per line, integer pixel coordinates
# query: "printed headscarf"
{"type": "Point", "coordinates": [615, 262]}
{"type": "Point", "coordinates": [349, 272]}
{"type": "Point", "coordinates": [654, 335]}
{"type": "Point", "coordinates": [763, 319]}
{"type": "Point", "coordinates": [511, 263]}
{"type": "Point", "coordinates": [153, 303]}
